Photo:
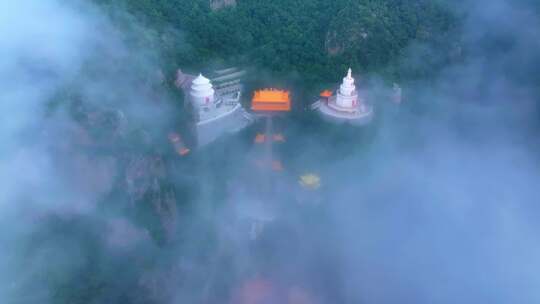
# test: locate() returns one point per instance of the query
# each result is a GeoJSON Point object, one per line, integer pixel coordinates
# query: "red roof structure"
{"type": "Point", "coordinates": [271, 100]}
{"type": "Point", "coordinates": [326, 94]}
{"type": "Point", "coordinates": [178, 144]}
{"type": "Point", "coordinates": [260, 138]}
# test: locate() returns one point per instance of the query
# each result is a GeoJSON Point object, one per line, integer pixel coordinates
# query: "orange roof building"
{"type": "Point", "coordinates": [178, 144]}
{"type": "Point", "coordinates": [270, 100]}
{"type": "Point", "coordinates": [260, 138]}
{"type": "Point", "coordinates": [326, 94]}
{"type": "Point", "coordinates": [279, 137]}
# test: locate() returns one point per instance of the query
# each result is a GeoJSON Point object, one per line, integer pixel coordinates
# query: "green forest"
{"type": "Point", "coordinates": [315, 39]}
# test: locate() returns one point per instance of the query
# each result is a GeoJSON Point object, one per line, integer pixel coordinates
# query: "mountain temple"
{"type": "Point", "coordinates": [346, 106]}
{"type": "Point", "coordinates": [217, 111]}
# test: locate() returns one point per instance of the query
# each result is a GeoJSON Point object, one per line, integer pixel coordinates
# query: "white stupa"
{"type": "Point", "coordinates": [347, 96]}
{"type": "Point", "coordinates": [346, 105]}
{"type": "Point", "coordinates": [202, 93]}
{"type": "Point", "coordinates": [217, 113]}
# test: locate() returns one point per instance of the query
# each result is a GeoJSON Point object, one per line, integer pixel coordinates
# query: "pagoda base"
{"type": "Point", "coordinates": [334, 116]}
{"type": "Point", "coordinates": [227, 123]}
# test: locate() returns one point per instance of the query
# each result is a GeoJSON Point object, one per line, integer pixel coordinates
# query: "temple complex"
{"type": "Point", "coordinates": [269, 103]}
{"type": "Point", "coordinates": [218, 110]}
{"type": "Point", "coordinates": [346, 105]}
{"type": "Point", "coordinates": [256, 197]}
{"type": "Point", "coordinates": [227, 81]}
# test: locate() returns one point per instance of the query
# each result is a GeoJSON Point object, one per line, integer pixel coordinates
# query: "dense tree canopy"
{"type": "Point", "coordinates": [316, 38]}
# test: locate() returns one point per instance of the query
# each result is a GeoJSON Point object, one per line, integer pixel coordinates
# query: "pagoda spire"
{"type": "Point", "coordinates": [349, 73]}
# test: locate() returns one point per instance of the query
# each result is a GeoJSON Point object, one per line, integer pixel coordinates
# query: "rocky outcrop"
{"type": "Point", "coordinates": [148, 191]}
{"type": "Point", "coordinates": [352, 28]}
{"type": "Point", "coordinates": [336, 44]}
{"type": "Point", "coordinates": [116, 161]}
{"type": "Point", "coordinates": [333, 47]}
{"type": "Point", "coordinates": [141, 173]}
{"type": "Point", "coordinates": [99, 127]}
{"type": "Point", "coordinates": [183, 80]}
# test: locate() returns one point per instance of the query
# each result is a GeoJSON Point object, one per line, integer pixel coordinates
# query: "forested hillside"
{"type": "Point", "coordinates": [318, 39]}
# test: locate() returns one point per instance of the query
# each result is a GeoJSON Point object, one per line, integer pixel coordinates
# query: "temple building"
{"type": "Point", "coordinates": [227, 81]}
{"type": "Point", "coordinates": [271, 101]}
{"type": "Point", "coordinates": [202, 94]}
{"type": "Point", "coordinates": [257, 195]}
{"type": "Point", "coordinates": [268, 103]}
{"type": "Point", "coordinates": [346, 105]}
{"type": "Point", "coordinates": [217, 111]}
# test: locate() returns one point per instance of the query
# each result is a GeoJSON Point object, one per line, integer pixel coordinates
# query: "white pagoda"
{"type": "Point", "coordinates": [346, 105]}
{"type": "Point", "coordinates": [216, 113]}
{"type": "Point", "coordinates": [202, 96]}
{"type": "Point", "coordinates": [202, 92]}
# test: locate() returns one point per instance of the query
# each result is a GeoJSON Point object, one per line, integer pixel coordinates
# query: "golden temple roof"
{"type": "Point", "coordinates": [271, 100]}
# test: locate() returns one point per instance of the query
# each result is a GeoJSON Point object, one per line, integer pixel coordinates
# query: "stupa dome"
{"type": "Point", "coordinates": [202, 91]}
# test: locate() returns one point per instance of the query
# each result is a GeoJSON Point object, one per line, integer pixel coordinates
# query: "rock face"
{"type": "Point", "coordinates": [333, 47]}
{"type": "Point", "coordinates": [100, 127]}
{"type": "Point", "coordinates": [338, 42]}
{"type": "Point", "coordinates": [141, 175]}
{"type": "Point", "coordinates": [101, 134]}
{"type": "Point", "coordinates": [359, 28]}
{"type": "Point", "coordinates": [145, 184]}
{"type": "Point", "coordinates": [69, 165]}
{"type": "Point", "coordinates": [183, 80]}
{"type": "Point", "coordinates": [220, 4]}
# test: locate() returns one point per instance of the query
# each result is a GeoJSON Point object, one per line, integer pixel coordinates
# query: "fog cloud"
{"type": "Point", "coordinates": [439, 206]}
